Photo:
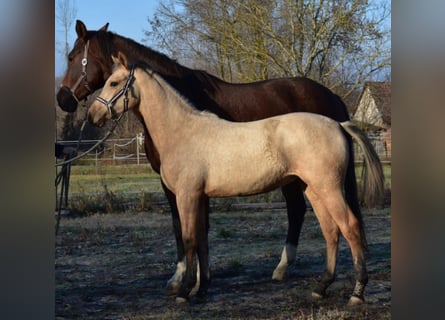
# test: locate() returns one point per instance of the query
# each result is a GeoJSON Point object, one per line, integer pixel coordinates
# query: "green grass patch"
{"type": "Point", "coordinates": [117, 179]}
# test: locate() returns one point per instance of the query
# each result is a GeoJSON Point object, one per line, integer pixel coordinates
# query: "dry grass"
{"type": "Point", "coordinates": [116, 267]}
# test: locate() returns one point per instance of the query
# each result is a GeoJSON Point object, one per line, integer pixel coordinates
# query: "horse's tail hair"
{"type": "Point", "coordinates": [372, 175]}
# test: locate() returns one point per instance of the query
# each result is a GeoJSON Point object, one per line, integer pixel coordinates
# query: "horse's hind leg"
{"type": "Point", "coordinates": [331, 234]}
{"type": "Point", "coordinates": [350, 229]}
{"type": "Point", "coordinates": [296, 209]}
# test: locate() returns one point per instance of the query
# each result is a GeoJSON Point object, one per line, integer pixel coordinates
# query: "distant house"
{"type": "Point", "coordinates": [373, 114]}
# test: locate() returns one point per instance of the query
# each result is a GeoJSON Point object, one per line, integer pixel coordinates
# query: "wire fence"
{"type": "Point", "coordinates": [111, 151]}
{"type": "Point", "coordinates": [131, 151]}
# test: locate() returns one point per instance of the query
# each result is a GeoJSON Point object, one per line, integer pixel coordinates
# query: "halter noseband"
{"type": "Point", "coordinates": [122, 92]}
{"type": "Point", "coordinates": [83, 75]}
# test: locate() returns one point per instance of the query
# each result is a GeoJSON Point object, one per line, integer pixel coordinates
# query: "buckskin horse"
{"type": "Point", "coordinates": [205, 156]}
{"type": "Point", "coordinates": [89, 65]}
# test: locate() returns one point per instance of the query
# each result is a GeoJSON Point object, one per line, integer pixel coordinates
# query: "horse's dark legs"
{"type": "Point", "coordinates": [296, 209]}
{"type": "Point", "coordinates": [176, 222]}
{"type": "Point", "coordinates": [203, 258]}
{"type": "Point", "coordinates": [351, 192]}
{"type": "Point", "coordinates": [175, 281]}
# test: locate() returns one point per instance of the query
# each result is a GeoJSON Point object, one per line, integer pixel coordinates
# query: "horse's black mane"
{"type": "Point", "coordinates": [159, 61]}
{"type": "Point", "coordinates": [170, 70]}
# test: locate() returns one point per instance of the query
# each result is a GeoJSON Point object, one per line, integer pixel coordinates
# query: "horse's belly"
{"type": "Point", "coordinates": [246, 180]}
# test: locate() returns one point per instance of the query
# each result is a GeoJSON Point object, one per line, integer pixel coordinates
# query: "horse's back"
{"type": "Point", "coordinates": [268, 98]}
{"type": "Point", "coordinates": [309, 128]}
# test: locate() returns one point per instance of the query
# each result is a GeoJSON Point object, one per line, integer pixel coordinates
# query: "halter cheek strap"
{"type": "Point", "coordinates": [83, 74]}
{"type": "Point", "coordinates": [122, 92]}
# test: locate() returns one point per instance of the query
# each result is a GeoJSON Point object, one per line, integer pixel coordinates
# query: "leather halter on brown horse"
{"type": "Point", "coordinates": [237, 102]}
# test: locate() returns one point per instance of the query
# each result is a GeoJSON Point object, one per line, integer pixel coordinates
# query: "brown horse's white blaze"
{"type": "Point", "coordinates": [204, 156]}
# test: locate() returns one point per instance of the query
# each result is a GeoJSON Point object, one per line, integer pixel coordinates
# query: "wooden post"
{"type": "Point", "coordinates": [114, 153]}
{"type": "Point", "coordinates": [137, 148]}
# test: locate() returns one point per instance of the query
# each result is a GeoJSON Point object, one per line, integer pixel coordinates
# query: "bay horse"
{"type": "Point", "coordinates": [205, 156]}
{"type": "Point", "coordinates": [90, 64]}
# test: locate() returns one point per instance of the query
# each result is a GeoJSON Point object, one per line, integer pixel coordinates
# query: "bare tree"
{"type": "Point", "coordinates": [65, 16]}
{"type": "Point", "coordinates": [66, 13]}
{"type": "Point", "coordinates": [340, 43]}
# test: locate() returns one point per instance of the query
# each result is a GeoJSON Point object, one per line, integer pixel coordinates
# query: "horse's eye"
{"type": "Point", "coordinates": [113, 84]}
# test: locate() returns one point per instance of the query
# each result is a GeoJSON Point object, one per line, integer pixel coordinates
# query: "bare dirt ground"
{"type": "Point", "coordinates": [116, 266]}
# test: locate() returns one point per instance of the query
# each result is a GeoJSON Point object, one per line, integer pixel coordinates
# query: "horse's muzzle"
{"type": "Point", "coordinates": [66, 100]}
{"type": "Point", "coordinates": [97, 116]}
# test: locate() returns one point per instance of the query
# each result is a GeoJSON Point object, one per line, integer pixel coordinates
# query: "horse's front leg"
{"type": "Point", "coordinates": [296, 209]}
{"type": "Point", "coordinates": [191, 208]}
{"type": "Point", "coordinates": [174, 282]}
{"type": "Point", "coordinates": [203, 255]}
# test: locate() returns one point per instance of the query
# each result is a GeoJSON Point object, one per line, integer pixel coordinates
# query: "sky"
{"type": "Point", "coordinates": [127, 18]}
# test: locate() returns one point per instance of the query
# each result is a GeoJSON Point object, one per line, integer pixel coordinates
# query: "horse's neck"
{"type": "Point", "coordinates": [138, 52]}
{"type": "Point", "coordinates": [164, 112]}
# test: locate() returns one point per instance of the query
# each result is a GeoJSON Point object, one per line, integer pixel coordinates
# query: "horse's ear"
{"type": "Point", "coordinates": [115, 59]}
{"type": "Point", "coordinates": [81, 29]}
{"type": "Point", "coordinates": [122, 59]}
{"type": "Point", "coordinates": [105, 27]}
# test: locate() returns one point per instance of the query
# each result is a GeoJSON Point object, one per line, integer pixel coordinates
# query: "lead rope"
{"type": "Point", "coordinates": [63, 176]}
{"type": "Point", "coordinates": [65, 172]}
{"type": "Point", "coordinates": [116, 122]}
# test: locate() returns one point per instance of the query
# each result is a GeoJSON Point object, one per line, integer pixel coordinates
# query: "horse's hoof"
{"type": "Point", "coordinates": [278, 275]}
{"type": "Point", "coordinates": [194, 290]}
{"type": "Point", "coordinates": [181, 300]}
{"type": "Point", "coordinates": [200, 299]}
{"type": "Point", "coordinates": [317, 296]}
{"type": "Point", "coordinates": [355, 301]}
{"type": "Point", "coordinates": [171, 290]}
